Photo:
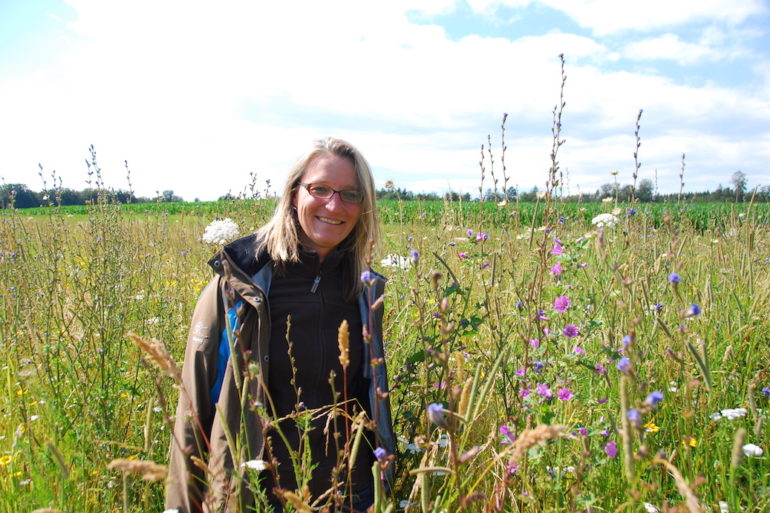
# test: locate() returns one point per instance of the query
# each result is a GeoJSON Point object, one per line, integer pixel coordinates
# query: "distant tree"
{"type": "Point", "coordinates": [645, 190]}
{"type": "Point", "coordinates": [169, 196]}
{"type": "Point", "coordinates": [739, 184]}
{"type": "Point", "coordinates": [512, 193]}
{"type": "Point", "coordinates": [607, 190]}
{"type": "Point", "coordinates": [19, 196]}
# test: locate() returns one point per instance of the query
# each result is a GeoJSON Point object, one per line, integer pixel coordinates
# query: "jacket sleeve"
{"type": "Point", "coordinates": [186, 483]}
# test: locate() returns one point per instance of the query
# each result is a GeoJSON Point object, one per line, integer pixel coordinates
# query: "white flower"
{"type": "Point", "coordinates": [171, 511]}
{"type": "Point", "coordinates": [34, 417]}
{"type": "Point", "coordinates": [723, 508]}
{"type": "Point", "coordinates": [220, 231]}
{"type": "Point", "coordinates": [649, 508]}
{"type": "Point", "coordinates": [398, 261]}
{"type": "Point", "coordinates": [752, 450]}
{"type": "Point", "coordinates": [603, 220]}
{"type": "Point", "coordinates": [258, 465]}
{"type": "Point", "coordinates": [608, 199]}
{"type": "Point", "coordinates": [733, 413]}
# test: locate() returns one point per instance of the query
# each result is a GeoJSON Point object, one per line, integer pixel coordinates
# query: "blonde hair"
{"type": "Point", "coordinates": [280, 236]}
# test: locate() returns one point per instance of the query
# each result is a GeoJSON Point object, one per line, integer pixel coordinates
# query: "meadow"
{"type": "Point", "coordinates": [538, 362]}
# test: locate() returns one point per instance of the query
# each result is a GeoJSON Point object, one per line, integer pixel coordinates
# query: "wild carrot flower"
{"type": "Point", "coordinates": [570, 331]}
{"type": "Point", "coordinates": [564, 394]}
{"type": "Point", "coordinates": [611, 449]}
{"type": "Point", "coordinates": [561, 303]}
{"type": "Point", "coordinates": [752, 450]}
{"type": "Point", "coordinates": [604, 220]}
{"type": "Point", "coordinates": [258, 465]}
{"type": "Point", "coordinates": [220, 231]}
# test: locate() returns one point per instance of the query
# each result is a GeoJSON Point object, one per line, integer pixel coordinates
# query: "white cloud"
{"type": "Point", "coordinates": [668, 47]}
{"type": "Point", "coordinates": [604, 17]}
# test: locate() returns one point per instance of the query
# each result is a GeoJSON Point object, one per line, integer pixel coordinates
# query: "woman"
{"type": "Point", "coordinates": [276, 303]}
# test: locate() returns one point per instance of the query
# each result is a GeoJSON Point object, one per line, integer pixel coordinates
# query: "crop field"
{"type": "Point", "coordinates": [538, 362]}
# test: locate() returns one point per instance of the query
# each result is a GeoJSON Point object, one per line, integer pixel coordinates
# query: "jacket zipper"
{"type": "Point", "coordinates": [316, 281]}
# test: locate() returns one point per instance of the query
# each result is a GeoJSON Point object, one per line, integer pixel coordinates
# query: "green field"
{"type": "Point", "coordinates": [521, 337]}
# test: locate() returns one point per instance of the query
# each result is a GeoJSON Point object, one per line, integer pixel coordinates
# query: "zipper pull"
{"type": "Point", "coordinates": [316, 281]}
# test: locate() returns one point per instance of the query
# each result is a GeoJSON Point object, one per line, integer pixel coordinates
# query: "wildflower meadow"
{"type": "Point", "coordinates": [607, 357]}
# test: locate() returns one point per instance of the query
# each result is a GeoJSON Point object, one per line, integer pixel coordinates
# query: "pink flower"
{"type": "Point", "coordinates": [557, 249]}
{"type": "Point", "coordinates": [534, 343]}
{"type": "Point", "coordinates": [556, 269]}
{"type": "Point", "coordinates": [578, 350]}
{"type": "Point", "coordinates": [561, 303]}
{"type": "Point", "coordinates": [463, 255]}
{"type": "Point", "coordinates": [570, 331]}
{"type": "Point", "coordinates": [524, 392]}
{"type": "Point", "coordinates": [564, 394]}
{"type": "Point", "coordinates": [611, 449]}
{"type": "Point", "coordinates": [543, 390]}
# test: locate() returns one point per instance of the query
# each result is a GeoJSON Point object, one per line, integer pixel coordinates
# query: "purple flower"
{"type": "Point", "coordinates": [462, 255]}
{"type": "Point", "coordinates": [634, 416]}
{"type": "Point", "coordinates": [561, 219]}
{"type": "Point", "coordinates": [436, 414]}
{"type": "Point", "coordinates": [380, 453]}
{"type": "Point", "coordinates": [624, 364]}
{"type": "Point", "coordinates": [561, 303]}
{"type": "Point", "coordinates": [570, 331]}
{"type": "Point", "coordinates": [521, 372]}
{"type": "Point", "coordinates": [556, 269]}
{"type": "Point", "coordinates": [578, 350]}
{"type": "Point", "coordinates": [541, 315]}
{"type": "Point", "coordinates": [583, 265]}
{"type": "Point", "coordinates": [481, 237]}
{"type": "Point", "coordinates": [654, 398]}
{"type": "Point", "coordinates": [693, 310]}
{"type": "Point", "coordinates": [658, 306]}
{"type": "Point", "coordinates": [564, 394]}
{"type": "Point", "coordinates": [367, 277]}
{"type": "Point", "coordinates": [766, 392]}
{"type": "Point", "coordinates": [506, 432]}
{"type": "Point", "coordinates": [598, 369]}
{"type": "Point", "coordinates": [524, 392]}
{"type": "Point", "coordinates": [469, 233]}
{"type": "Point", "coordinates": [631, 211]}
{"type": "Point", "coordinates": [534, 343]}
{"type": "Point", "coordinates": [611, 449]}
{"type": "Point", "coordinates": [557, 249]}
{"type": "Point", "coordinates": [415, 256]}
{"type": "Point", "coordinates": [603, 400]}
{"type": "Point", "coordinates": [674, 278]}
{"type": "Point", "coordinates": [543, 390]}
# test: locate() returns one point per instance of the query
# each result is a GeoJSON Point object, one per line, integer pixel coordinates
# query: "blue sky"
{"type": "Point", "coordinates": [196, 95]}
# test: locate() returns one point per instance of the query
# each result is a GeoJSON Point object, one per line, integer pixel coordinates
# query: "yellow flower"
{"type": "Point", "coordinates": [5, 459]}
{"type": "Point", "coordinates": [650, 427]}
{"type": "Point", "coordinates": [691, 441]}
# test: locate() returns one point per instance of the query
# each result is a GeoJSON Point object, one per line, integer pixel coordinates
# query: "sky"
{"type": "Point", "coordinates": [196, 96]}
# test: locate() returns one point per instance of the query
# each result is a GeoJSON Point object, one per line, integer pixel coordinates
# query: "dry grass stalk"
{"type": "Point", "coordinates": [531, 437]}
{"type": "Point", "coordinates": [47, 510]}
{"type": "Point", "coordinates": [738, 441]}
{"type": "Point", "coordinates": [343, 340]}
{"type": "Point", "coordinates": [149, 470]}
{"type": "Point", "coordinates": [295, 501]}
{"type": "Point", "coordinates": [690, 500]}
{"type": "Point", "coordinates": [159, 356]}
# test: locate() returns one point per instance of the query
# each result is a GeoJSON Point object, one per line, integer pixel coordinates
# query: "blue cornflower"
{"type": "Point", "coordinates": [624, 364]}
{"type": "Point", "coordinates": [654, 398]}
{"type": "Point", "coordinates": [674, 278]}
{"type": "Point", "coordinates": [627, 340]}
{"type": "Point", "coordinates": [436, 414]}
{"type": "Point", "coordinates": [367, 277]}
{"type": "Point", "coordinates": [766, 392]}
{"type": "Point", "coordinates": [631, 211]}
{"type": "Point", "coordinates": [634, 416]}
{"type": "Point", "coordinates": [380, 453]}
{"type": "Point", "coordinates": [415, 256]}
{"type": "Point", "coordinates": [693, 310]}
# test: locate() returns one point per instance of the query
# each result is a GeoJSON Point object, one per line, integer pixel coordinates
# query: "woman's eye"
{"type": "Point", "coordinates": [321, 190]}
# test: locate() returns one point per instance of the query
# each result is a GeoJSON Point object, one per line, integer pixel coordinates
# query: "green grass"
{"type": "Point", "coordinates": [459, 325]}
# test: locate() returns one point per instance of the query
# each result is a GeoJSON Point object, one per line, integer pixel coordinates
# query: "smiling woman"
{"type": "Point", "coordinates": [264, 385]}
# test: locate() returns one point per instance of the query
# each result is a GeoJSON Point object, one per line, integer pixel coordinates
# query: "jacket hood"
{"type": "Point", "coordinates": [242, 253]}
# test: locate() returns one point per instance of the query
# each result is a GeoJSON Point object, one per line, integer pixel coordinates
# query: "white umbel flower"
{"type": "Point", "coordinates": [220, 231]}
{"type": "Point", "coordinates": [752, 450]}
{"type": "Point", "coordinates": [398, 261]}
{"type": "Point", "coordinates": [258, 465]}
{"type": "Point", "coordinates": [604, 220]}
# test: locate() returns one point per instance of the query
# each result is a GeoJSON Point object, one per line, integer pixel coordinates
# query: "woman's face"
{"type": "Point", "coordinates": [324, 223]}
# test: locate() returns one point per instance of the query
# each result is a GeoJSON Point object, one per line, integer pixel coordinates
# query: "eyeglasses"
{"type": "Point", "coordinates": [326, 192]}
